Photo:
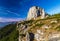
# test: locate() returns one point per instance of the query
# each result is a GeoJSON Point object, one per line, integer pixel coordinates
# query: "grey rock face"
{"type": "Point", "coordinates": [34, 12]}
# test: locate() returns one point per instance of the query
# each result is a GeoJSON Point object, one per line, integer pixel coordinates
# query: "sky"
{"type": "Point", "coordinates": [16, 10]}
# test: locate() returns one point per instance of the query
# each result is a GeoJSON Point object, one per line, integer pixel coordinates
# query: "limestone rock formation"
{"type": "Point", "coordinates": [38, 35]}
{"type": "Point", "coordinates": [44, 29]}
{"type": "Point", "coordinates": [34, 12]}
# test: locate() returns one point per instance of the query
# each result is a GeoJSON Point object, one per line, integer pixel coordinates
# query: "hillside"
{"type": "Point", "coordinates": [9, 33]}
{"type": "Point", "coordinates": [47, 29]}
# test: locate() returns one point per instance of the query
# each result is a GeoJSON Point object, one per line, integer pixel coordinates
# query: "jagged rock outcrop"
{"type": "Point", "coordinates": [47, 29]}
{"type": "Point", "coordinates": [34, 12]}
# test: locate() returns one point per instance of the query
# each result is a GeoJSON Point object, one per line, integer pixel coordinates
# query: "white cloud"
{"type": "Point", "coordinates": [10, 19]}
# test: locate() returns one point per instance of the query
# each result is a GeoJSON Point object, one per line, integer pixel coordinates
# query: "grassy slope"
{"type": "Point", "coordinates": [9, 33]}
{"type": "Point", "coordinates": [36, 24]}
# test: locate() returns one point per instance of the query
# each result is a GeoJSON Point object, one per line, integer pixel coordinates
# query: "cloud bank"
{"type": "Point", "coordinates": [10, 19]}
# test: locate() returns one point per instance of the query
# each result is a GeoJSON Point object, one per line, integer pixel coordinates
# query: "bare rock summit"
{"type": "Point", "coordinates": [35, 12]}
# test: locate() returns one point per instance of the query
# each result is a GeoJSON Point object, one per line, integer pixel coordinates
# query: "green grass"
{"type": "Point", "coordinates": [57, 28]}
{"type": "Point", "coordinates": [9, 33]}
{"type": "Point", "coordinates": [39, 25]}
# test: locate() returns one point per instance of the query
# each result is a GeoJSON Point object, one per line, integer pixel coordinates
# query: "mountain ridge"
{"type": "Point", "coordinates": [49, 28]}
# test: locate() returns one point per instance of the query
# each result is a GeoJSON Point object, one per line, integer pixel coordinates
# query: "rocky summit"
{"type": "Point", "coordinates": [40, 28]}
{"type": "Point", "coordinates": [35, 12]}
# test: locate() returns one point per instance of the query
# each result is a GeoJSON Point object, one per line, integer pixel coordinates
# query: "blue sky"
{"type": "Point", "coordinates": [15, 10]}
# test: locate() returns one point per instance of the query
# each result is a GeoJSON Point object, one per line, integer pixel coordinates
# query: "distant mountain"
{"type": "Point", "coordinates": [2, 24]}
